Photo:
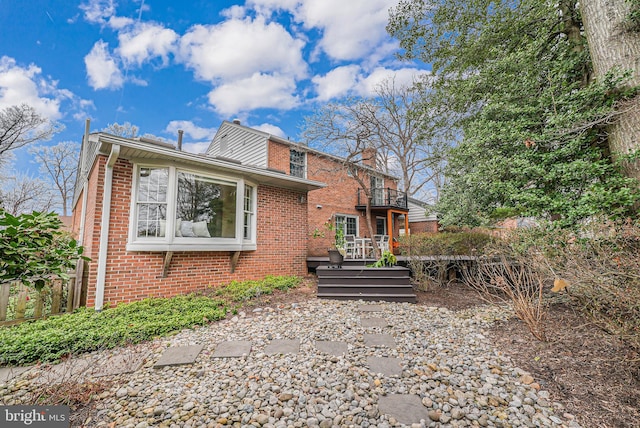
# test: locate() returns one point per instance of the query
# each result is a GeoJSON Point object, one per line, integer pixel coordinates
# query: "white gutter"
{"type": "Point", "coordinates": [104, 226]}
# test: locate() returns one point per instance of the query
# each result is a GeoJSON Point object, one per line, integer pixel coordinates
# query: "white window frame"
{"type": "Point", "coordinates": [170, 242]}
{"type": "Point", "coordinates": [304, 162]}
{"type": "Point", "coordinates": [344, 222]}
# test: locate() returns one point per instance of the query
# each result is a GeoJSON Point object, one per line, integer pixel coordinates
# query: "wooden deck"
{"type": "Point", "coordinates": [355, 281]}
{"type": "Point", "coordinates": [352, 282]}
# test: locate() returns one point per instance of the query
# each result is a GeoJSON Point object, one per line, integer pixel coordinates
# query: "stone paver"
{"type": "Point", "coordinates": [233, 348]}
{"type": "Point", "coordinates": [332, 348]}
{"type": "Point", "coordinates": [8, 373]}
{"type": "Point", "coordinates": [379, 340]}
{"type": "Point", "coordinates": [177, 355]}
{"type": "Point", "coordinates": [405, 408]}
{"type": "Point", "coordinates": [386, 365]}
{"type": "Point", "coordinates": [119, 364]}
{"type": "Point", "coordinates": [283, 346]}
{"type": "Point", "coordinates": [373, 322]}
{"type": "Point", "coordinates": [370, 308]}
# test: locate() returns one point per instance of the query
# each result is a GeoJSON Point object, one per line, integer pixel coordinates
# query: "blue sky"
{"type": "Point", "coordinates": [167, 65]}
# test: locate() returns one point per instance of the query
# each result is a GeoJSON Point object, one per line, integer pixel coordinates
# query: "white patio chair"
{"type": "Point", "coordinates": [350, 246]}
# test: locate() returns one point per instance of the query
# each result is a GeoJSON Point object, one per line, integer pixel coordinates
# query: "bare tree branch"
{"type": "Point", "coordinates": [21, 125]}
{"type": "Point", "coordinates": [60, 163]}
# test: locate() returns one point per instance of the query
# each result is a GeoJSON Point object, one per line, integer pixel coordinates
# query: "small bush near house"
{"type": "Point", "coordinates": [508, 272]}
{"type": "Point", "coordinates": [86, 330]}
{"type": "Point", "coordinates": [446, 243]}
{"type": "Point", "coordinates": [240, 291]}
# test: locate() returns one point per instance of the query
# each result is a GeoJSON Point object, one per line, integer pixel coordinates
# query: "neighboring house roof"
{"type": "Point", "coordinates": [254, 149]}
{"type": "Point", "coordinates": [142, 150]}
{"type": "Point", "coordinates": [417, 211]}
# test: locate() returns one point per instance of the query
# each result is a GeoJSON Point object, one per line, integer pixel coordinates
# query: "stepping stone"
{"type": "Point", "coordinates": [75, 369]}
{"type": "Point", "coordinates": [282, 346]}
{"type": "Point", "coordinates": [405, 408]}
{"type": "Point", "coordinates": [8, 373]}
{"type": "Point", "coordinates": [233, 348]}
{"type": "Point", "coordinates": [385, 365]}
{"type": "Point", "coordinates": [379, 340]}
{"type": "Point", "coordinates": [370, 308]}
{"type": "Point", "coordinates": [332, 348]}
{"type": "Point", "coordinates": [373, 322]}
{"type": "Point", "coordinates": [177, 355]}
{"type": "Point", "coordinates": [119, 364]}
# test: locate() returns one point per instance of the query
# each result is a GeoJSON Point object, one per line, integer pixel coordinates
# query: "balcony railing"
{"type": "Point", "coordinates": [384, 197]}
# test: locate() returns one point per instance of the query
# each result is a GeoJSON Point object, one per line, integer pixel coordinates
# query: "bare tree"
{"type": "Point", "coordinates": [344, 129]}
{"type": "Point", "coordinates": [24, 194]}
{"type": "Point", "coordinates": [60, 163]}
{"type": "Point", "coordinates": [21, 125]}
{"type": "Point", "coordinates": [126, 130]}
{"type": "Point", "coordinates": [406, 135]}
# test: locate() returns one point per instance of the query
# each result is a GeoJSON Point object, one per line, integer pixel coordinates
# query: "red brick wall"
{"type": "Point", "coordinates": [130, 276]}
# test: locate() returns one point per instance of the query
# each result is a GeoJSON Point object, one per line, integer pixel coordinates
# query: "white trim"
{"type": "Point", "coordinates": [104, 226]}
{"type": "Point", "coordinates": [170, 242]}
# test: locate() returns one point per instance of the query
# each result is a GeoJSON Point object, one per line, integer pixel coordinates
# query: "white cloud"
{"type": "Point", "coordinates": [191, 129]}
{"type": "Point", "coordinates": [257, 91]}
{"type": "Point", "coordinates": [336, 83]}
{"type": "Point", "coordinates": [197, 148]}
{"type": "Point", "coordinates": [270, 129]}
{"type": "Point", "coordinates": [236, 49]}
{"type": "Point", "coordinates": [352, 80]}
{"type": "Point", "coordinates": [145, 41]}
{"type": "Point", "coordinates": [353, 29]}
{"type": "Point", "coordinates": [403, 77]}
{"type": "Point", "coordinates": [20, 85]}
{"type": "Point", "coordinates": [98, 11]}
{"type": "Point", "coordinates": [119, 22]}
{"type": "Point", "coordinates": [102, 69]}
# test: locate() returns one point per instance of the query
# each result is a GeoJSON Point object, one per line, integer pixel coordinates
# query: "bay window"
{"type": "Point", "coordinates": [176, 209]}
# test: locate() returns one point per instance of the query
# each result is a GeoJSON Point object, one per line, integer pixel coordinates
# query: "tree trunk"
{"type": "Point", "coordinates": [612, 45]}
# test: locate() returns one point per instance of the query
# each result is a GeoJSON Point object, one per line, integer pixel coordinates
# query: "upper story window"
{"type": "Point", "coordinates": [182, 210]}
{"type": "Point", "coordinates": [297, 164]}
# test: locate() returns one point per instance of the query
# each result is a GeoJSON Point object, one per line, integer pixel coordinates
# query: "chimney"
{"type": "Point", "coordinates": [369, 156]}
{"type": "Point", "coordinates": [180, 133]}
{"type": "Point", "coordinates": [236, 121]}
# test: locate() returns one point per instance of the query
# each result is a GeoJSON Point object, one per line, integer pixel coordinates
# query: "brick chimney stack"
{"type": "Point", "coordinates": [369, 157]}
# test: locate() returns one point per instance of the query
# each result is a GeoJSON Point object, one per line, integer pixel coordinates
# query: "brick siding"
{"type": "Point", "coordinates": [131, 276]}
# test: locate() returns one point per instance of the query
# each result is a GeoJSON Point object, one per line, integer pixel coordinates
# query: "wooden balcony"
{"type": "Point", "coordinates": [383, 198]}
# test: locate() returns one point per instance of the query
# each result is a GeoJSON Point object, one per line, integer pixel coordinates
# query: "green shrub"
{"type": "Point", "coordinates": [239, 291]}
{"type": "Point", "coordinates": [86, 330]}
{"type": "Point", "coordinates": [446, 243]}
{"type": "Point", "coordinates": [34, 249]}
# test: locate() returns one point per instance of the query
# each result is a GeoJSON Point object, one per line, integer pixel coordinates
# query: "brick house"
{"type": "Point", "coordinates": [157, 221]}
{"type": "Point", "coordinates": [341, 202]}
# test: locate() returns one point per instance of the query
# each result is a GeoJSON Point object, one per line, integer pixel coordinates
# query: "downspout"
{"type": "Point", "coordinates": [104, 226]}
{"type": "Point", "coordinates": [85, 178]}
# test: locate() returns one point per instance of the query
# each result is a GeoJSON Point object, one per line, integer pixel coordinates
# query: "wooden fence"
{"type": "Point", "coordinates": [19, 303]}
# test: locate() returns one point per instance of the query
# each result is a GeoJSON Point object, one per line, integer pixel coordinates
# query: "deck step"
{"type": "Point", "coordinates": [361, 283]}
{"type": "Point", "coordinates": [410, 298]}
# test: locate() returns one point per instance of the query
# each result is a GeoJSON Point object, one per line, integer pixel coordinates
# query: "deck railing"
{"type": "Point", "coordinates": [384, 197]}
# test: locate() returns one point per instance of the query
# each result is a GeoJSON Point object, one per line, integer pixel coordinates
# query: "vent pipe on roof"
{"type": "Point", "coordinates": [180, 133]}
{"type": "Point", "coordinates": [237, 121]}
